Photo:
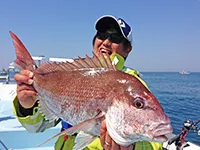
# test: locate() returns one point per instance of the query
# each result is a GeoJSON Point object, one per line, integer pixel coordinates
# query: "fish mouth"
{"type": "Point", "coordinates": [161, 132]}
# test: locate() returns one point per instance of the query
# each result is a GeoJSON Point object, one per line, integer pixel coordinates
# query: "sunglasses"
{"type": "Point", "coordinates": [113, 37]}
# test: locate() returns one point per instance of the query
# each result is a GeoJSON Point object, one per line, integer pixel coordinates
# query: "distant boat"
{"type": "Point", "coordinates": [184, 72]}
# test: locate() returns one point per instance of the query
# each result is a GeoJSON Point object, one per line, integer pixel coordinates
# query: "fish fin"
{"type": "Point", "coordinates": [105, 61]}
{"type": "Point", "coordinates": [95, 62]}
{"type": "Point", "coordinates": [57, 135]}
{"type": "Point", "coordinates": [78, 64]}
{"type": "Point", "coordinates": [83, 62]}
{"type": "Point", "coordinates": [86, 126]}
{"type": "Point", "coordinates": [47, 67]}
{"type": "Point", "coordinates": [24, 59]}
{"type": "Point", "coordinates": [47, 113]}
{"type": "Point", "coordinates": [88, 62]}
{"type": "Point", "coordinates": [83, 139]}
{"type": "Point", "coordinates": [91, 62]}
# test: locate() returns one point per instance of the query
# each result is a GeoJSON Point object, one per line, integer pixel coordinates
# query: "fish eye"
{"type": "Point", "coordinates": [138, 103]}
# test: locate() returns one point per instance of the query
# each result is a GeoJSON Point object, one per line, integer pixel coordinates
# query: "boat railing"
{"type": "Point", "coordinates": [56, 59]}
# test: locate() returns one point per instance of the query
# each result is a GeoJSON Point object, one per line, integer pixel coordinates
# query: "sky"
{"type": "Point", "coordinates": [166, 33]}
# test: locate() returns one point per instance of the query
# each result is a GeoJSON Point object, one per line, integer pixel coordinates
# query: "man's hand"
{"type": "Point", "coordinates": [107, 142]}
{"type": "Point", "coordinates": [26, 94]}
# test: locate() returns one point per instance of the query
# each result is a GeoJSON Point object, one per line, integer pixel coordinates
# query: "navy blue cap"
{"type": "Point", "coordinates": [105, 21]}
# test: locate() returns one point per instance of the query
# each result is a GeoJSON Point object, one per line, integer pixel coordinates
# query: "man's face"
{"type": "Point", "coordinates": [109, 47]}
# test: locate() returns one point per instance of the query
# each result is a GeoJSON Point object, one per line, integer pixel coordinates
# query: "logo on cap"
{"type": "Point", "coordinates": [121, 23]}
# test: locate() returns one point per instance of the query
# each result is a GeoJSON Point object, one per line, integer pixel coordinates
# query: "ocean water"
{"type": "Point", "coordinates": [179, 96]}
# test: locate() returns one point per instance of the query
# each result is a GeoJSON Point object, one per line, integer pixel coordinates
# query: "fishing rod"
{"type": "Point", "coordinates": [179, 140]}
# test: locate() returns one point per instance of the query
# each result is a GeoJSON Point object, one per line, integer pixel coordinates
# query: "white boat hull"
{"type": "Point", "coordinates": [7, 91]}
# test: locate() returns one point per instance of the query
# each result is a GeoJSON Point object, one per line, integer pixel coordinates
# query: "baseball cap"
{"type": "Point", "coordinates": [104, 22]}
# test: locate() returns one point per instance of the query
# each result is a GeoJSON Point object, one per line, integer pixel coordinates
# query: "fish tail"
{"type": "Point", "coordinates": [23, 57]}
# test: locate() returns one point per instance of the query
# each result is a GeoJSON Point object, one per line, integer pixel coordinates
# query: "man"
{"type": "Point", "coordinates": [113, 37]}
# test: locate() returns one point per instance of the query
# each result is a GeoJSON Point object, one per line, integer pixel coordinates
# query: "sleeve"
{"type": "Point", "coordinates": [156, 145]}
{"type": "Point", "coordinates": [35, 122]}
{"type": "Point", "coordinates": [148, 145]}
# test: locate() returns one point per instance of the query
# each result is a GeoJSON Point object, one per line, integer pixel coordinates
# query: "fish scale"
{"type": "Point", "coordinates": [79, 96]}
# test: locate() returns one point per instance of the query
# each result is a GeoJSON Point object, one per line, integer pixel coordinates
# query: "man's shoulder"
{"type": "Point", "coordinates": [135, 73]}
{"type": "Point", "coordinates": [131, 71]}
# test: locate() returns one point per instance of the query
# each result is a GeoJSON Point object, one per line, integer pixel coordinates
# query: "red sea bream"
{"type": "Point", "coordinates": [85, 92]}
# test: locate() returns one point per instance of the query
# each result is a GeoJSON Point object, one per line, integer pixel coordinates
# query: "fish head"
{"type": "Point", "coordinates": [136, 115]}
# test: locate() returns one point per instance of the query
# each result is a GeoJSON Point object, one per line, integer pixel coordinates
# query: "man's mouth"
{"type": "Point", "coordinates": [104, 51]}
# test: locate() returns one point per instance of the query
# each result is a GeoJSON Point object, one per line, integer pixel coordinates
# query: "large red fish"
{"type": "Point", "coordinates": [88, 90]}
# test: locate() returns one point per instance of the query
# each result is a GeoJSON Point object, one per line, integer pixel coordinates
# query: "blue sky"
{"type": "Point", "coordinates": [166, 33]}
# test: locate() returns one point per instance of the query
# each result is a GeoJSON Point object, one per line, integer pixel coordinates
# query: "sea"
{"type": "Point", "coordinates": [179, 95]}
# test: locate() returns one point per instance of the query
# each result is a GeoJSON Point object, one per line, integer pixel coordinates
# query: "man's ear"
{"type": "Point", "coordinates": [128, 50]}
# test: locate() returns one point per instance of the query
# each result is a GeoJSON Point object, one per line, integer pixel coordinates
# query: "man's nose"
{"type": "Point", "coordinates": [107, 42]}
